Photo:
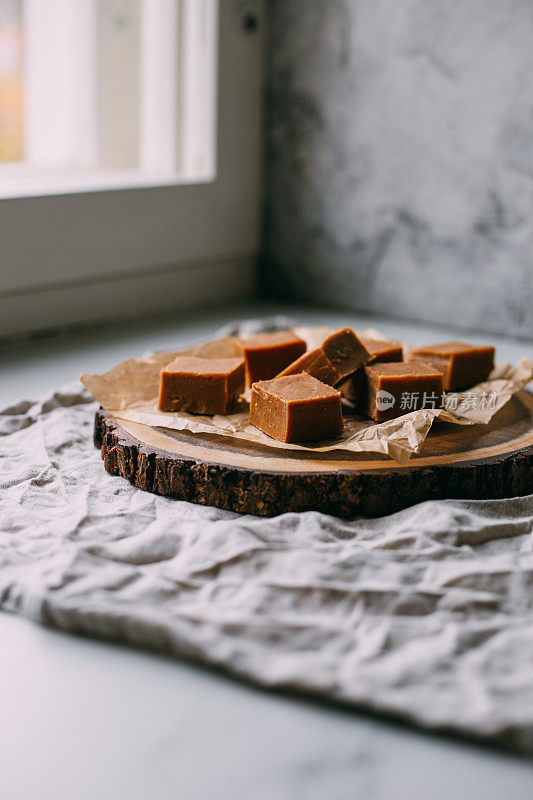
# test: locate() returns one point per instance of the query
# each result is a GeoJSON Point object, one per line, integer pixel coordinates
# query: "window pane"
{"type": "Point", "coordinates": [11, 81]}
{"type": "Point", "coordinates": [108, 85]}
{"type": "Point", "coordinates": [118, 48]}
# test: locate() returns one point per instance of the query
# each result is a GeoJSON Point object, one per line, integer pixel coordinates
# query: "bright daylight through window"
{"type": "Point", "coordinates": [106, 93]}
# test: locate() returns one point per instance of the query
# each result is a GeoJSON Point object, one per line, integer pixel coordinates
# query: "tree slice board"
{"type": "Point", "coordinates": [472, 462]}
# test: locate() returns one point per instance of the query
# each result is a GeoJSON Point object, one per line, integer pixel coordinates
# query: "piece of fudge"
{"type": "Point", "coordinates": [201, 385]}
{"type": "Point", "coordinates": [462, 365]}
{"type": "Point", "coordinates": [339, 355]}
{"type": "Point", "coordinates": [380, 350]}
{"type": "Point", "coordinates": [296, 408]}
{"type": "Point", "coordinates": [394, 389]}
{"type": "Point", "coordinates": [266, 354]}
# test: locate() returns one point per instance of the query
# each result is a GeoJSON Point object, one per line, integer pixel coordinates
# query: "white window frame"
{"type": "Point", "coordinates": [182, 231]}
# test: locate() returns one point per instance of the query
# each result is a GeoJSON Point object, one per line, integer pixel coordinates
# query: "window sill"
{"type": "Point", "coordinates": [18, 181]}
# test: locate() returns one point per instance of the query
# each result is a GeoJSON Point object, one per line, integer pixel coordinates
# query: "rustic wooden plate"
{"type": "Point", "coordinates": [475, 462]}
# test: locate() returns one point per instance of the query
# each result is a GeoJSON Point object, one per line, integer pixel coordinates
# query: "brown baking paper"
{"type": "Point", "coordinates": [129, 392]}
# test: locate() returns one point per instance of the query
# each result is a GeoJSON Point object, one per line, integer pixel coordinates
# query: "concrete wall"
{"type": "Point", "coordinates": [400, 158]}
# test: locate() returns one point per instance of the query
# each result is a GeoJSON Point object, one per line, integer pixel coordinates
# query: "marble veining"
{"type": "Point", "coordinates": [400, 158]}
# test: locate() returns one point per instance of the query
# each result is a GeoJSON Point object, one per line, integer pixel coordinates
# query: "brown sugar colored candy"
{"type": "Point", "coordinates": [380, 350]}
{"type": "Point", "coordinates": [462, 364]}
{"type": "Point", "coordinates": [296, 408]}
{"type": "Point", "coordinates": [394, 389]}
{"type": "Point", "coordinates": [339, 355]}
{"type": "Point", "coordinates": [201, 385]}
{"type": "Point", "coordinates": [266, 354]}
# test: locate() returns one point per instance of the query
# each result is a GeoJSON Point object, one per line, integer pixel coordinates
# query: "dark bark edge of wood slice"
{"type": "Point", "coordinates": [343, 493]}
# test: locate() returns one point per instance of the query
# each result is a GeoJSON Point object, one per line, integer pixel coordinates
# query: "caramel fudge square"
{"type": "Point", "coordinates": [462, 364]}
{"type": "Point", "coordinates": [379, 350]}
{"type": "Point", "coordinates": [393, 389]}
{"type": "Point", "coordinates": [266, 354]}
{"type": "Point", "coordinates": [296, 408]}
{"type": "Point", "coordinates": [337, 357]}
{"type": "Point", "coordinates": [382, 349]}
{"type": "Point", "coordinates": [201, 385]}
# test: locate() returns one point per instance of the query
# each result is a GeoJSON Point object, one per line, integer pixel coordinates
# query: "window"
{"type": "Point", "coordinates": [131, 155]}
{"type": "Point", "coordinates": [98, 93]}
{"type": "Point", "coordinates": [11, 82]}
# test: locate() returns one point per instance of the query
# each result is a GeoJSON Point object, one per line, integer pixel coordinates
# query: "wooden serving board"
{"type": "Point", "coordinates": [473, 462]}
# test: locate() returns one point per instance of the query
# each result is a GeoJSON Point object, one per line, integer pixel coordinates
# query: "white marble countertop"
{"type": "Point", "coordinates": [158, 728]}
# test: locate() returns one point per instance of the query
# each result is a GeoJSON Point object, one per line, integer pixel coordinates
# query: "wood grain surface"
{"type": "Point", "coordinates": [473, 462]}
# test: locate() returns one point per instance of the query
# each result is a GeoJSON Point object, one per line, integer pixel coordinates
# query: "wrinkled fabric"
{"type": "Point", "coordinates": [426, 614]}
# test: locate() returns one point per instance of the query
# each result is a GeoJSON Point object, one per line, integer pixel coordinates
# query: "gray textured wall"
{"type": "Point", "coordinates": [400, 157]}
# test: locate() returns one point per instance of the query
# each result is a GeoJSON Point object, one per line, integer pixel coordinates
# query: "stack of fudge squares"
{"type": "Point", "coordinates": [296, 393]}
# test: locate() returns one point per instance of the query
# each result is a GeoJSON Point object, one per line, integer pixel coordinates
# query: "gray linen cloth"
{"type": "Point", "coordinates": [426, 614]}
